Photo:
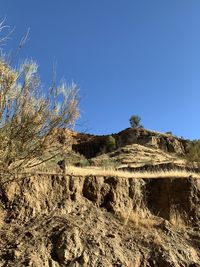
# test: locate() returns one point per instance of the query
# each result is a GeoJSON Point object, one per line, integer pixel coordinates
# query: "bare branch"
{"type": "Point", "coordinates": [3, 27]}
{"type": "Point", "coordinates": [23, 41]}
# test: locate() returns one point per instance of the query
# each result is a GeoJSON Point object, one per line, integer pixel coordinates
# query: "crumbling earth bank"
{"type": "Point", "coordinates": [52, 220]}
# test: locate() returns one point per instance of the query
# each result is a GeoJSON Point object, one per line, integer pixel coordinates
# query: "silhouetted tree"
{"type": "Point", "coordinates": [135, 121]}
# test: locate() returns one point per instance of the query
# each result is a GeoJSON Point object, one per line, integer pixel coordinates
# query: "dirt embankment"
{"type": "Point", "coordinates": [52, 220]}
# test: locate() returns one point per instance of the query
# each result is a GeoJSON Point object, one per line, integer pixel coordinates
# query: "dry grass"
{"type": "Point", "coordinates": [141, 218]}
{"type": "Point", "coordinates": [2, 217]}
{"type": "Point", "coordinates": [94, 171]}
{"type": "Point", "coordinates": [138, 218]}
{"type": "Point", "coordinates": [177, 219]}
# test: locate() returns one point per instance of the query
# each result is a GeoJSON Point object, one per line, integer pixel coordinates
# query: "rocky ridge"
{"type": "Point", "coordinates": [91, 145]}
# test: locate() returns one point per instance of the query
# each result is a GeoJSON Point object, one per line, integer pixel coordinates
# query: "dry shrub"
{"type": "Point", "coordinates": [2, 217]}
{"type": "Point", "coordinates": [28, 116]}
{"type": "Point", "coordinates": [177, 219]}
{"type": "Point", "coordinates": [142, 217]}
{"type": "Point", "coordinates": [157, 238]}
{"type": "Point", "coordinates": [29, 113]}
{"type": "Point", "coordinates": [139, 217]}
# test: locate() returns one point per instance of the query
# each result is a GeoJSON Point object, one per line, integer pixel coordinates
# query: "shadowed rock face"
{"type": "Point", "coordinates": [90, 148]}
{"type": "Point", "coordinates": [164, 195]}
{"type": "Point", "coordinates": [52, 220]}
{"type": "Point", "coordinates": [90, 145]}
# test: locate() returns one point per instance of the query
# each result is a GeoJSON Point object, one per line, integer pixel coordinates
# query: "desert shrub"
{"type": "Point", "coordinates": [135, 121]}
{"type": "Point", "coordinates": [178, 219]}
{"type": "Point", "coordinates": [29, 113]}
{"type": "Point", "coordinates": [170, 133]}
{"type": "Point", "coordinates": [110, 143]}
{"type": "Point", "coordinates": [139, 217]}
{"type": "Point", "coordinates": [84, 163]}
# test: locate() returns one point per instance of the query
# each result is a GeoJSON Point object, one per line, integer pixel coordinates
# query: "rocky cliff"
{"type": "Point", "coordinates": [91, 145]}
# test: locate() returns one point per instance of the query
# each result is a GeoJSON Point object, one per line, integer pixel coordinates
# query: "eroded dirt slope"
{"type": "Point", "coordinates": [52, 220]}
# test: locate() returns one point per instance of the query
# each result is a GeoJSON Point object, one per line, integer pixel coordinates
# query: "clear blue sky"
{"type": "Point", "coordinates": [128, 57]}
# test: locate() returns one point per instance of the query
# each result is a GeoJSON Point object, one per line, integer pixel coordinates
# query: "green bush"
{"type": "Point", "coordinates": [84, 163]}
{"type": "Point", "coordinates": [170, 133]}
{"type": "Point", "coordinates": [110, 143]}
{"type": "Point", "coordinates": [135, 121]}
